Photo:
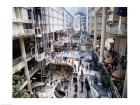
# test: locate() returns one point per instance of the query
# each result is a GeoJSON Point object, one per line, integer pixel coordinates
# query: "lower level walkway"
{"type": "Point", "coordinates": [95, 91]}
{"type": "Point", "coordinates": [80, 94]}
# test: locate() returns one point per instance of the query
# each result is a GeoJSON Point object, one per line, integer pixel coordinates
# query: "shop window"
{"type": "Point", "coordinates": [35, 31]}
{"type": "Point", "coordinates": [29, 14]}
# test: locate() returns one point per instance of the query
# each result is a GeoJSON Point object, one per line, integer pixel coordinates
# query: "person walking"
{"type": "Point", "coordinates": [74, 79]}
{"type": "Point", "coordinates": [123, 66]}
{"type": "Point", "coordinates": [78, 66]}
{"type": "Point", "coordinates": [96, 80]}
{"type": "Point", "coordinates": [82, 82]}
{"type": "Point", "coordinates": [87, 86]}
{"type": "Point", "coordinates": [115, 63]}
{"type": "Point", "coordinates": [75, 90]}
{"type": "Point", "coordinates": [82, 72]}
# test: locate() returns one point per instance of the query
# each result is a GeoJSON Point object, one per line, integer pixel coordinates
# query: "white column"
{"type": "Point", "coordinates": [19, 16]}
{"type": "Point", "coordinates": [103, 34]}
{"type": "Point", "coordinates": [90, 21]}
{"type": "Point", "coordinates": [53, 23]}
{"type": "Point", "coordinates": [50, 24]}
{"type": "Point", "coordinates": [87, 20]}
{"type": "Point", "coordinates": [64, 22]}
{"type": "Point", "coordinates": [95, 31]}
{"type": "Point", "coordinates": [57, 21]}
{"type": "Point", "coordinates": [26, 71]}
{"type": "Point", "coordinates": [124, 95]}
{"type": "Point", "coordinates": [120, 21]}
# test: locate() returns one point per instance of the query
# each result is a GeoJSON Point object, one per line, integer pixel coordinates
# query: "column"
{"type": "Point", "coordinates": [53, 23]}
{"type": "Point", "coordinates": [87, 21]}
{"type": "Point", "coordinates": [19, 16]}
{"type": "Point", "coordinates": [51, 28]}
{"type": "Point", "coordinates": [124, 95]}
{"type": "Point", "coordinates": [95, 31]}
{"type": "Point", "coordinates": [103, 34]}
{"type": "Point", "coordinates": [90, 21]}
{"type": "Point", "coordinates": [64, 22]}
{"type": "Point", "coordinates": [26, 71]}
{"type": "Point", "coordinates": [52, 47]}
{"type": "Point", "coordinates": [58, 26]}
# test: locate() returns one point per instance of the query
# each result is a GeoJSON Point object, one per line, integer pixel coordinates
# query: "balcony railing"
{"type": "Point", "coordinates": [30, 54]}
{"type": "Point", "coordinates": [33, 70]}
{"type": "Point", "coordinates": [113, 88]}
{"type": "Point", "coordinates": [122, 29]}
{"type": "Point", "coordinates": [118, 29]}
{"type": "Point", "coordinates": [20, 59]}
{"type": "Point", "coordinates": [29, 31]}
{"type": "Point", "coordinates": [21, 20]}
{"type": "Point", "coordinates": [114, 93]}
{"type": "Point", "coordinates": [22, 31]}
{"type": "Point", "coordinates": [17, 60]}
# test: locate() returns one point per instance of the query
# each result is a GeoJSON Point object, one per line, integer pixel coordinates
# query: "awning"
{"type": "Point", "coordinates": [108, 60]}
{"type": "Point", "coordinates": [110, 40]}
{"type": "Point", "coordinates": [119, 74]}
{"type": "Point", "coordinates": [72, 55]}
{"type": "Point", "coordinates": [37, 84]}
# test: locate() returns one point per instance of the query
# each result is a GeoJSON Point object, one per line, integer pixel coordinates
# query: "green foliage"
{"type": "Point", "coordinates": [17, 93]}
{"type": "Point", "coordinates": [16, 78]}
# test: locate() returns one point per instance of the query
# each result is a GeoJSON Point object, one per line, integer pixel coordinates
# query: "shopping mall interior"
{"type": "Point", "coordinates": [77, 52]}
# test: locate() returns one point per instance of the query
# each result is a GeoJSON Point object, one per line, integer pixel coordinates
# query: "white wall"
{"type": "Point", "coordinates": [17, 28]}
{"type": "Point", "coordinates": [13, 12]}
{"type": "Point", "coordinates": [24, 14]}
{"type": "Point", "coordinates": [122, 48]}
{"type": "Point", "coordinates": [99, 19]}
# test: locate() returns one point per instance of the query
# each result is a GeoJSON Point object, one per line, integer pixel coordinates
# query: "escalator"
{"type": "Point", "coordinates": [102, 91]}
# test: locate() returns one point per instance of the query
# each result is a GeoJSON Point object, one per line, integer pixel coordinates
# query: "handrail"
{"type": "Point", "coordinates": [111, 82]}
{"type": "Point", "coordinates": [30, 54]}
{"type": "Point", "coordinates": [28, 31]}
{"type": "Point", "coordinates": [33, 70]}
{"type": "Point", "coordinates": [17, 60]}
{"type": "Point", "coordinates": [115, 90]}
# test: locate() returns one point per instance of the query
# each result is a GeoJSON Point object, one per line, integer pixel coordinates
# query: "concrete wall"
{"type": "Point", "coordinates": [122, 49]}
{"type": "Point", "coordinates": [13, 13]}
{"type": "Point", "coordinates": [24, 14]}
{"type": "Point", "coordinates": [117, 44]}
{"type": "Point", "coordinates": [99, 19]}
{"type": "Point", "coordinates": [17, 29]}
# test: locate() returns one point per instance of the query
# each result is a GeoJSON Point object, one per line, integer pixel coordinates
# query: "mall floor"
{"type": "Point", "coordinates": [48, 92]}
